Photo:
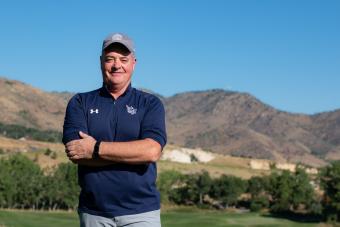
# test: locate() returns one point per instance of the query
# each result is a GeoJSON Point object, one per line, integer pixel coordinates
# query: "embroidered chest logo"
{"type": "Point", "coordinates": [94, 111]}
{"type": "Point", "coordinates": [131, 110]}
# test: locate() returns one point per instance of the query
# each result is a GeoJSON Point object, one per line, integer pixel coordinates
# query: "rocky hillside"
{"type": "Point", "coordinates": [25, 105]}
{"type": "Point", "coordinates": [239, 124]}
{"type": "Point", "coordinates": [221, 121]}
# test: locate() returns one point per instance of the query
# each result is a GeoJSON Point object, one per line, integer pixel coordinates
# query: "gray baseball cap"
{"type": "Point", "coordinates": [119, 38]}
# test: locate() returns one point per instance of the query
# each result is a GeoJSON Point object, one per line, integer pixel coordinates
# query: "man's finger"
{"type": "Point", "coordinates": [83, 135]}
{"type": "Point", "coordinates": [70, 147]}
{"type": "Point", "coordinates": [74, 157]}
{"type": "Point", "coordinates": [71, 143]}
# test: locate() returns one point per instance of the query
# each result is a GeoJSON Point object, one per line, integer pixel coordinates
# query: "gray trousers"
{"type": "Point", "coordinates": [147, 219]}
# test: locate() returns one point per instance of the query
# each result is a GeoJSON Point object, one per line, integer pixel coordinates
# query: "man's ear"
{"type": "Point", "coordinates": [133, 68]}
{"type": "Point", "coordinates": [101, 61]}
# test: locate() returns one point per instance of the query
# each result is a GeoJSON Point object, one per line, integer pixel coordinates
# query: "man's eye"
{"type": "Point", "coordinates": [108, 59]}
{"type": "Point", "coordinates": [124, 60]}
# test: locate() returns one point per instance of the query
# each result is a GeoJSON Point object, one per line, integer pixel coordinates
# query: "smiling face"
{"type": "Point", "coordinates": [117, 64]}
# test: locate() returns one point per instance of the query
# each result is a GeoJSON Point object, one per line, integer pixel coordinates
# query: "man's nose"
{"type": "Point", "coordinates": [117, 64]}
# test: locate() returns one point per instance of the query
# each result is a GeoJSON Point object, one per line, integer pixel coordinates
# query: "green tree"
{"type": "Point", "coordinates": [303, 192]}
{"type": "Point", "coordinates": [281, 188]}
{"type": "Point", "coordinates": [258, 189]}
{"type": "Point", "coordinates": [258, 203]}
{"type": "Point", "coordinates": [258, 186]}
{"type": "Point", "coordinates": [203, 184]}
{"type": "Point", "coordinates": [66, 189]}
{"type": "Point", "coordinates": [18, 131]}
{"type": "Point", "coordinates": [21, 182]}
{"type": "Point", "coordinates": [167, 181]}
{"type": "Point", "coordinates": [7, 185]}
{"type": "Point", "coordinates": [291, 191]}
{"type": "Point", "coordinates": [191, 189]}
{"type": "Point", "coordinates": [330, 181]}
{"type": "Point", "coordinates": [24, 185]}
{"type": "Point", "coordinates": [185, 191]}
{"type": "Point", "coordinates": [227, 189]}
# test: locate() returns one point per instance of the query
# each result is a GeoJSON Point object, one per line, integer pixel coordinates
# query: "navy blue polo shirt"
{"type": "Point", "coordinates": [117, 189]}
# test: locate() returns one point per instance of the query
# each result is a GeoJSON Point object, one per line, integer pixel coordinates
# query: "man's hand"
{"type": "Point", "coordinates": [80, 149]}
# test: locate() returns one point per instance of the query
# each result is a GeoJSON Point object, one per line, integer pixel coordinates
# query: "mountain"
{"type": "Point", "coordinates": [25, 105]}
{"type": "Point", "coordinates": [221, 121]}
{"type": "Point", "coordinates": [239, 124]}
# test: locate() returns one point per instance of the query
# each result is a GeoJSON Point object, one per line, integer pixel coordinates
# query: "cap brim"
{"type": "Point", "coordinates": [107, 44]}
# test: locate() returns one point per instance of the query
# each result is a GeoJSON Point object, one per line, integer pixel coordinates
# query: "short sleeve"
{"type": "Point", "coordinates": [75, 120]}
{"type": "Point", "coordinates": [153, 123]}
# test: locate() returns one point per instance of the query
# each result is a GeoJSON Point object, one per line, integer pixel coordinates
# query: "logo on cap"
{"type": "Point", "coordinates": [117, 37]}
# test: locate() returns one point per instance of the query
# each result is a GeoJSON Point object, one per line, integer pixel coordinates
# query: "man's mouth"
{"type": "Point", "coordinates": [116, 72]}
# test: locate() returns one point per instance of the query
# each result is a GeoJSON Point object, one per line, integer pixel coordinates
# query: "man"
{"type": "Point", "coordinates": [116, 134]}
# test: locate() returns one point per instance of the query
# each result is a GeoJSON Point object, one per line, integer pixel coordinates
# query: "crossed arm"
{"type": "Point", "coordinates": [134, 152]}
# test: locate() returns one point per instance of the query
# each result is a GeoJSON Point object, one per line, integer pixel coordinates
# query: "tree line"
{"type": "Point", "coordinates": [24, 185]}
{"type": "Point", "coordinates": [17, 131]}
{"type": "Point", "coordinates": [280, 193]}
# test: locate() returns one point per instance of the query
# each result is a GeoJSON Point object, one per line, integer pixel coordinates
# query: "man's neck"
{"type": "Point", "coordinates": [116, 91]}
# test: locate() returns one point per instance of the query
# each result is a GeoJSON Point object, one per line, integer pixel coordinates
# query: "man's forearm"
{"type": "Point", "coordinates": [134, 152]}
{"type": "Point", "coordinates": [93, 162]}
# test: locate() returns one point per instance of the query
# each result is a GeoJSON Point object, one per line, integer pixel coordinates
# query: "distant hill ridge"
{"type": "Point", "coordinates": [225, 122]}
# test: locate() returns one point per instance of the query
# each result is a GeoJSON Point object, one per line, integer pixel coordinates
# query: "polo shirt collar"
{"type": "Point", "coordinates": [105, 93]}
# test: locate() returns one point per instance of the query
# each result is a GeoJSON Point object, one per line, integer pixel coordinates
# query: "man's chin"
{"type": "Point", "coordinates": [113, 83]}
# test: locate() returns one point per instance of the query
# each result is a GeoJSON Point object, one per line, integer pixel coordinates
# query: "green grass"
{"type": "Point", "coordinates": [205, 218]}
{"type": "Point", "coordinates": [37, 219]}
{"type": "Point", "coordinates": [180, 217]}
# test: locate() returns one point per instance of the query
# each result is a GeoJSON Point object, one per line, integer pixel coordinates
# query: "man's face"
{"type": "Point", "coordinates": [117, 64]}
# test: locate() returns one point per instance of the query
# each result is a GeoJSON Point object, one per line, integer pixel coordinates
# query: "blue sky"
{"type": "Point", "coordinates": [286, 53]}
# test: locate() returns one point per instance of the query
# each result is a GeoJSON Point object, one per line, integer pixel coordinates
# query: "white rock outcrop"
{"type": "Point", "coordinates": [186, 155]}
